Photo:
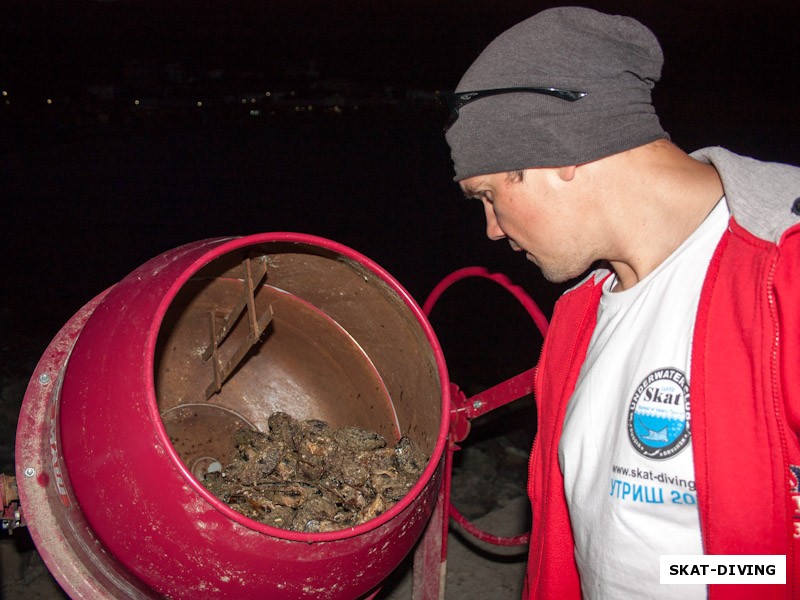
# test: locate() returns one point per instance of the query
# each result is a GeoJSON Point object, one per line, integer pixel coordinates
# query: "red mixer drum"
{"type": "Point", "coordinates": [141, 391]}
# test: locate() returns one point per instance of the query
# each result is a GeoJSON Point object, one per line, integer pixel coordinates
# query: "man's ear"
{"type": "Point", "coordinates": [566, 173]}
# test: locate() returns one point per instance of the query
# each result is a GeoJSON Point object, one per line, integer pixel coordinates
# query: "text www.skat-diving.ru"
{"type": "Point", "coordinates": [648, 475]}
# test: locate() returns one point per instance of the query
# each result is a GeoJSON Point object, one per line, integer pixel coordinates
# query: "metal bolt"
{"type": "Point", "coordinates": [44, 378]}
{"type": "Point", "coordinates": [30, 472]}
{"type": "Point", "coordinates": [477, 404]}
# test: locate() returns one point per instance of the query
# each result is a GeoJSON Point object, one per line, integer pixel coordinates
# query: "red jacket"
{"type": "Point", "coordinates": [745, 390]}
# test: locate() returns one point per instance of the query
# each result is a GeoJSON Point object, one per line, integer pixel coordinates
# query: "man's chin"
{"type": "Point", "coordinates": [555, 275]}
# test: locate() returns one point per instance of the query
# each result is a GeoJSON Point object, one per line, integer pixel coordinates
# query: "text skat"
{"type": "Point", "coordinates": [655, 395]}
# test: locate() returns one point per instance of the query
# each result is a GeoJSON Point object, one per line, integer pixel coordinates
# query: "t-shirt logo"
{"type": "Point", "coordinates": [658, 416]}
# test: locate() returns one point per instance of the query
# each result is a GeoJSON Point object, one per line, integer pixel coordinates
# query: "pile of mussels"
{"type": "Point", "coordinates": [307, 476]}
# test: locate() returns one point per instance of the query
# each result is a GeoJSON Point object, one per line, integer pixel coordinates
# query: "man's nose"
{"type": "Point", "coordinates": [493, 231]}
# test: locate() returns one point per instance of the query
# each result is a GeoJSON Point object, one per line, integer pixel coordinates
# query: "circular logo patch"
{"type": "Point", "coordinates": [658, 416]}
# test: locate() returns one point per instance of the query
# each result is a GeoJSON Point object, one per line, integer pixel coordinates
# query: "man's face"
{"type": "Point", "coordinates": [542, 215]}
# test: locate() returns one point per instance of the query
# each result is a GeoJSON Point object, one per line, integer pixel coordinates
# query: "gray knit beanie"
{"type": "Point", "coordinates": [614, 59]}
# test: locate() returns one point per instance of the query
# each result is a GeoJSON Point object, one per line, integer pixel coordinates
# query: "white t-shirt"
{"type": "Point", "coordinates": [625, 450]}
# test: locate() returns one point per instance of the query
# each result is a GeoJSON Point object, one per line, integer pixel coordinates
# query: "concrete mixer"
{"type": "Point", "coordinates": [142, 390]}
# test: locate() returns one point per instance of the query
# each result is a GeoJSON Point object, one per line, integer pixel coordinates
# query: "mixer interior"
{"type": "Point", "coordinates": [297, 329]}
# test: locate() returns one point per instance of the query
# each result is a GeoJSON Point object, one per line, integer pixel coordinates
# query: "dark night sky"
{"type": "Point", "coordinates": [730, 66]}
{"type": "Point", "coordinates": [415, 41]}
{"type": "Point", "coordinates": [85, 213]}
{"type": "Point", "coordinates": [718, 53]}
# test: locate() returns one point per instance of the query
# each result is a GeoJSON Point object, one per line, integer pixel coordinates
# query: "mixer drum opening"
{"type": "Point", "coordinates": [286, 328]}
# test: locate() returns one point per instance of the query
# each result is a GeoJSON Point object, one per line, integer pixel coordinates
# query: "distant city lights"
{"type": "Point", "coordinates": [107, 102]}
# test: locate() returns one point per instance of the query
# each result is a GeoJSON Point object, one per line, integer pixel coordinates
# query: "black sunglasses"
{"type": "Point", "coordinates": [451, 102]}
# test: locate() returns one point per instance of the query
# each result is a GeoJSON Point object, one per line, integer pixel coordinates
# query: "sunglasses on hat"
{"type": "Point", "coordinates": [451, 102]}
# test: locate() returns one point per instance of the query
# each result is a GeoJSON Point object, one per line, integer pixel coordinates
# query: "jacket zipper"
{"type": "Point", "coordinates": [776, 399]}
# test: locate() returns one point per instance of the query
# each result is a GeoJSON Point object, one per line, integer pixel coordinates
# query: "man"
{"type": "Point", "coordinates": [667, 389]}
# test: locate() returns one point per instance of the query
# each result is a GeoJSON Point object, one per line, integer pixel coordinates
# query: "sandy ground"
{"type": "Point", "coordinates": [475, 570]}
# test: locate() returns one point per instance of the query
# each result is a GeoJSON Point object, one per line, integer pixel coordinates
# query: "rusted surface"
{"type": "Point", "coordinates": [256, 324]}
{"type": "Point", "coordinates": [374, 317]}
{"type": "Point", "coordinates": [244, 301]}
{"type": "Point", "coordinates": [306, 364]}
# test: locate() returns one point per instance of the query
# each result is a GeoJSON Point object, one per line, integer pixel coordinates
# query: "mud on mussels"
{"type": "Point", "coordinates": [307, 476]}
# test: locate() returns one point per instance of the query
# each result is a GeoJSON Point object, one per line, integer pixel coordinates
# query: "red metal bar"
{"type": "Point", "coordinates": [527, 302]}
{"type": "Point", "coordinates": [501, 394]}
{"type": "Point", "coordinates": [482, 535]}
{"type": "Point", "coordinates": [464, 409]}
{"type": "Point", "coordinates": [430, 557]}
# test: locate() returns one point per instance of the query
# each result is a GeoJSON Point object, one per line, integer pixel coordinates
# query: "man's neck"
{"type": "Point", "coordinates": [663, 197]}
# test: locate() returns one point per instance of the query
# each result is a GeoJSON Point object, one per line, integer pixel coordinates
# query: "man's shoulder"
{"type": "Point", "coordinates": [761, 195]}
